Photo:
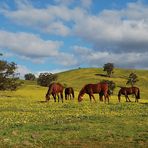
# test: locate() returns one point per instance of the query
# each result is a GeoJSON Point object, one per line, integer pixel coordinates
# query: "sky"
{"type": "Point", "coordinates": [58, 35]}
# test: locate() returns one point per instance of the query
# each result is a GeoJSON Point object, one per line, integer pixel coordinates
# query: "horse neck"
{"type": "Point", "coordinates": [49, 90]}
{"type": "Point", "coordinates": [82, 92]}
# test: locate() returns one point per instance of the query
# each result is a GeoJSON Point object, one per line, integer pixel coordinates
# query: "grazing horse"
{"type": "Point", "coordinates": [55, 89]}
{"type": "Point", "coordinates": [101, 95]}
{"type": "Point", "coordinates": [128, 91]}
{"type": "Point", "coordinates": [69, 93]}
{"type": "Point", "coordinates": [90, 89]}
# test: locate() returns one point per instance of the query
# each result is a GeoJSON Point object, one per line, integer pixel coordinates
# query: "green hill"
{"type": "Point", "coordinates": [77, 78]}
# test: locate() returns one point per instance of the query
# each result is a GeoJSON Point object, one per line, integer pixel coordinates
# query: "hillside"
{"type": "Point", "coordinates": [77, 78]}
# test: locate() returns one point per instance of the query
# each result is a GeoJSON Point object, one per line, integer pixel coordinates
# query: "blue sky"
{"type": "Point", "coordinates": [58, 35]}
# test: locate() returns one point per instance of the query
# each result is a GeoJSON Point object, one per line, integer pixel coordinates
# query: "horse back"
{"type": "Point", "coordinates": [56, 88]}
{"type": "Point", "coordinates": [96, 88]}
{"type": "Point", "coordinates": [129, 90]}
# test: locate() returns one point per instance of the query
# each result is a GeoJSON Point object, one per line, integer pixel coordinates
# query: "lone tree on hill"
{"type": "Point", "coordinates": [29, 76]}
{"type": "Point", "coordinates": [8, 77]}
{"type": "Point", "coordinates": [108, 67]}
{"type": "Point", "coordinates": [132, 79]}
{"type": "Point", "coordinates": [46, 78]}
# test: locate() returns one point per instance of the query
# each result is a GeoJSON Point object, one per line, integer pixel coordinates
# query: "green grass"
{"type": "Point", "coordinates": [27, 121]}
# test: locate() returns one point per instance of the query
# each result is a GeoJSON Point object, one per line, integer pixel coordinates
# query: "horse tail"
{"type": "Point", "coordinates": [138, 94]}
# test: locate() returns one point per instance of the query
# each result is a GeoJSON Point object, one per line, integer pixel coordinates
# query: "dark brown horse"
{"type": "Point", "coordinates": [129, 91]}
{"type": "Point", "coordinates": [90, 89]}
{"type": "Point", "coordinates": [55, 89]}
{"type": "Point", "coordinates": [69, 93]}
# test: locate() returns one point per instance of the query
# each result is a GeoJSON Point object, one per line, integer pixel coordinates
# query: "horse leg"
{"type": "Point", "coordinates": [61, 97]}
{"type": "Point", "coordinates": [136, 100]}
{"type": "Point", "coordinates": [58, 98]}
{"type": "Point", "coordinates": [65, 96]}
{"type": "Point", "coordinates": [54, 96]}
{"type": "Point", "coordinates": [101, 97]}
{"type": "Point", "coordinates": [90, 97]}
{"type": "Point", "coordinates": [128, 99]}
{"type": "Point", "coordinates": [70, 97]}
{"type": "Point", "coordinates": [107, 99]}
{"type": "Point", "coordinates": [119, 96]}
{"type": "Point", "coordinates": [93, 97]}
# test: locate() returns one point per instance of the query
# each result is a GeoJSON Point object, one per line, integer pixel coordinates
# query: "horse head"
{"type": "Point", "coordinates": [47, 97]}
{"type": "Point", "coordinates": [80, 98]}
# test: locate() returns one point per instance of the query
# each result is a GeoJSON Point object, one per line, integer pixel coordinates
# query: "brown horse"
{"type": "Point", "coordinates": [90, 89]}
{"type": "Point", "coordinates": [69, 93]}
{"type": "Point", "coordinates": [128, 91]}
{"type": "Point", "coordinates": [55, 89]}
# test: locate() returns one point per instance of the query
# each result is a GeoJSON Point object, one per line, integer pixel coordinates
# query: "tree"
{"type": "Point", "coordinates": [109, 67]}
{"type": "Point", "coordinates": [45, 79]}
{"type": "Point", "coordinates": [132, 79]}
{"type": "Point", "coordinates": [8, 77]}
{"type": "Point", "coordinates": [29, 76]}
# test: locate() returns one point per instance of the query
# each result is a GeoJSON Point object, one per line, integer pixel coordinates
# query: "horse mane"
{"type": "Point", "coordinates": [82, 90]}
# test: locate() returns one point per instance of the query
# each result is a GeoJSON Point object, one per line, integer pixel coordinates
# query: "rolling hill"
{"type": "Point", "coordinates": [77, 78]}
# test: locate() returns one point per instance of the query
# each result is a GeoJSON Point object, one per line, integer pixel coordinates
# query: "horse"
{"type": "Point", "coordinates": [102, 93]}
{"type": "Point", "coordinates": [69, 93]}
{"type": "Point", "coordinates": [128, 91]}
{"type": "Point", "coordinates": [55, 89]}
{"type": "Point", "coordinates": [90, 89]}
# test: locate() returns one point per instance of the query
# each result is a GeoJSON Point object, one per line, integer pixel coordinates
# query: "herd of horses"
{"type": "Point", "coordinates": [102, 89]}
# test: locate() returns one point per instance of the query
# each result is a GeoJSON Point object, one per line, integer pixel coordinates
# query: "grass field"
{"type": "Point", "coordinates": [27, 121]}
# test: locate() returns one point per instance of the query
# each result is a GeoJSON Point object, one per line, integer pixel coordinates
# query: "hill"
{"type": "Point", "coordinates": [77, 78]}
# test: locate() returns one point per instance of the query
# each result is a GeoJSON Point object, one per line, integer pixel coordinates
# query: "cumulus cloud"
{"type": "Point", "coordinates": [28, 44]}
{"type": "Point", "coordinates": [114, 34]}
{"type": "Point", "coordinates": [64, 2]}
{"type": "Point", "coordinates": [91, 57]}
{"type": "Point", "coordinates": [86, 3]}
{"type": "Point", "coordinates": [47, 20]}
{"type": "Point", "coordinates": [22, 70]}
{"type": "Point", "coordinates": [114, 30]}
{"type": "Point", "coordinates": [32, 47]}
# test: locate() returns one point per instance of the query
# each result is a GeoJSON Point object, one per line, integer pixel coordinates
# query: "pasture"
{"type": "Point", "coordinates": [27, 121]}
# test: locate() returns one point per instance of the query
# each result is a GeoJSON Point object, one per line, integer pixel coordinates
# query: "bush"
{"type": "Point", "coordinates": [8, 77]}
{"type": "Point", "coordinates": [108, 67]}
{"type": "Point", "coordinates": [45, 79]}
{"type": "Point", "coordinates": [29, 76]}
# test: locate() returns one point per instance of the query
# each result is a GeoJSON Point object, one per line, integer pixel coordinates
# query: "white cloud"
{"type": "Point", "coordinates": [32, 47]}
{"type": "Point", "coordinates": [114, 34]}
{"type": "Point", "coordinates": [97, 58]}
{"type": "Point", "coordinates": [28, 45]}
{"type": "Point", "coordinates": [64, 2]}
{"type": "Point", "coordinates": [57, 28]}
{"type": "Point", "coordinates": [66, 59]}
{"type": "Point", "coordinates": [86, 3]}
{"type": "Point", "coordinates": [22, 70]}
{"type": "Point", "coordinates": [115, 30]}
